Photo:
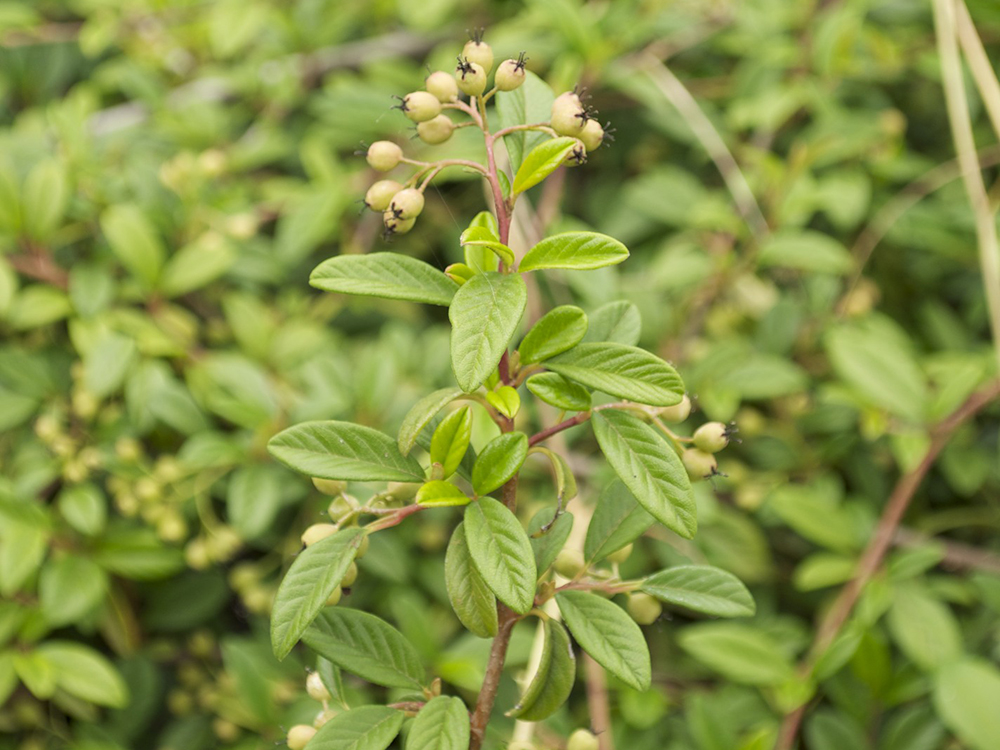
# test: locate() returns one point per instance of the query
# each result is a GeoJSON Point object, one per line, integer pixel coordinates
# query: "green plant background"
{"type": "Point", "coordinates": [170, 172]}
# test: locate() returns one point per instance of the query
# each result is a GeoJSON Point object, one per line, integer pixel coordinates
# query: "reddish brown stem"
{"type": "Point", "coordinates": [597, 702]}
{"type": "Point", "coordinates": [548, 432]}
{"type": "Point", "coordinates": [39, 265]}
{"type": "Point", "coordinates": [491, 682]}
{"type": "Point", "coordinates": [881, 541]}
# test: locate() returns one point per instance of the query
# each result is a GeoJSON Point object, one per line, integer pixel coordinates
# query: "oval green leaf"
{"type": "Point", "coordinates": [576, 251]}
{"type": "Point", "coordinates": [442, 724]}
{"type": "Point", "coordinates": [500, 460]}
{"type": "Point", "coordinates": [558, 330]}
{"type": "Point", "coordinates": [966, 696]}
{"type": "Point", "coordinates": [553, 681]}
{"type": "Point", "coordinates": [84, 673]}
{"type": "Point", "coordinates": [556, 391]}
{"type": "Point", "coordinates": [501, 553]}
{"type": "Point", "coordinates": [386, 275]}
{"type": "Point", "coordinates": [483, 237]}
{"type": "Point", "coordinates": [542, 161]}
{"type": "Point", "coordinates": [364, 728]}
{"type": "Point", "coordinates": [473, 602]}
{"type": "Point", "coordinates": [618, 520]}
{"type": "Point", "coordinates": [624, 371]}
{"type": "Point", "coordinates": [701, 588]}
{"type": "Point", "coordinates": [440, 494]}
{"type": "Point", "coordinates": [451, 440]}
{"type": "Point", "coordinates": [421, 414]}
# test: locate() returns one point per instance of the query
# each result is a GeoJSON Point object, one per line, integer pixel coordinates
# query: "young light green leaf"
{"type": "Point", "coordinates": [966, 696]}
{"type": "Point", "coordinates": [805, 250]}
{"type": "Point", "coordinates": [562, 475]}
{"type": "Point", "coordinates": [477, 257]}
{"type": "Point", "coordinates": [559, 329]}
{"type": "Point", "coordinates": [501, 553]}
{"type": "Point", "coordinates": [483, 237]}
{"type": "Point", "coordinates": [36, 672]}
{"type": "Point", "coordinates": [387, 275]}
{"type": "Point", "coordinates": [440, 494]}
{"type": "Point", "coordinates": [577, 251]}
{"type": "Point", "coordinates": [553, 681]}
{"type": "Point", "coordinates": [701, 588]}
{"type": "Point", "coordinates": [556, 391]}
{"type": "Point", "coordinates": [484, 316]}
{"type": "Point", "coordinates": [505, 400]}
{"type": "Point", "coordinates": [421, 414]}
{"type": "Point", "coordinates": [134, 241]}
{"type": "Point", "coordinates": [924, 628]}
{"type": "Point", "coordinates": [451, 440]}
{"type": "Point", "coordinates": [197, 265]}
{"type": "Point", "coordinates": [363, 728]}
{"type": "Point", "coordinates": [529, 103]}
{"type": "Point", "coordinates": [542, 161]}
{"type": "Point", "coordinates": [547, 544]}
{"type": "Point", "coordinates": [442, 724]}
{"type": "Point", "coordinates": [623, 371]}
{"type": "Point", "coordinates": [367, 646]}
{"type": "Point", "coordinates": [84, 673]}
{"type": "Point", "coordinates": [44, 198]}
{"type": "Point", "coordinates": [619, 322]}
{"type": "Point", "coordinates": [307, 585]}
{"type": "Point", "coordinates": [341, 450]}
{"type": "Point", "coordinates": [500, 460]}
{"type": "Point", "coordinates": [608, 634]}
{"type": "Point", "coordinates": [618, 520]}
{"type": "Point", "coordinates": [739, 652]}
{"type": "Point", "coordinates": [470, 597]}
{"type": "Point", "coordinates": [649, 467]}
{"type": "Point", "coordinates": [459, 272]}
{"type": "Point", "coordinates": [70, 588]}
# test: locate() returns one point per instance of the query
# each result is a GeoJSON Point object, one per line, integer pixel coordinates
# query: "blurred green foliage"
{"type": "Point", "coordinates": [170, 171]}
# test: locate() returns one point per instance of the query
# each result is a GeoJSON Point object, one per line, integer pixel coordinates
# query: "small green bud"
{"type": "Point", "coordinates": [436, 130]}
{"type": "Point", "coordinates": [510, 75]}
{"type": "Point", "coordinates": [350, 576]}
{"type": "Point", "coordinates": [420, 106]}
{"type": "Point", "coordinates": [396, 225]}
{"type": "Point", "coordinates": [479, 52]}
{"type": "Point", "coordinates": [568, 115]}
{"type": "Point", "coordinates": [592, 134]}
{"type": "Point", "coordinates": [315, 687]}
{"type": "Point", "coordinates": [407, 204]}
{"type": "Point", "coordinates": [569, 563]}
{"type": "Point", "coordinates": [340, 506]}
{"type": "Point", "coordinates": [384, 155]}
{"type": "Point", "coordinates": [470, 77]}
{"type": "Point", "coordinates": [317, 532]}
{"type": "Point", "coordinates": [676, 413]}
{"type": "Point", "coordinates": [442, 85]}
{"type": "Point", "coordinates": [712, 437]}
{"type": "Point", "coordinates": [582, 739]}
{"type": "Point", "coordinates": [699, 464]}
{"type": "Point", "coordinates": [644, 608]}
{"type": "Point", "coordinates": [299, 736]}
{"type": "Point", "coordinates": [378, 198]}
{"type": "Point", "coordinates": [621, 555]}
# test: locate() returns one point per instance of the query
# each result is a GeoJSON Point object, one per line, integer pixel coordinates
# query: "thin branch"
{"type": "Point", "coordinates": [597, 703]}
{"type": "Point", "coordinates": [880, 542]}
{"type": "Point", "coordinates": [979, 64]}
{"type": "Point", "coordinates": [40, 266]}
{"type": "Point", "coordinates": [491, 681]}
{"type": "Point", "coordinates": [954, 555]}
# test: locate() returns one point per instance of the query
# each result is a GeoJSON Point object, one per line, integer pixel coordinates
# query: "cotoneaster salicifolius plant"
{"type": "Point", "coordinates": [498, 571]}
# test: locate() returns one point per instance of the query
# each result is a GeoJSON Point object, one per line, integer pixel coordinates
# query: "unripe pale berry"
{"type": "Point", "coordinates": [334, 599]}
{"type": "Point", "coordinates": [479, 52]}
{"type": "Point", "coordinates": [324, 716]}
{"type": "Point", "coordinates": [711, 437]}
{"type": "Point", "coordinates": [620, 555]}
{"type": "Point", "coordinates": [510, 75]}
{"type": "Point", "coordinates": [317, 532]}
{"type": "Point", "coordinates": [568, 115]}
{"type": "Point", "coordinates": [436, 130]}
{"type": "Point", "coordinates": [403, 490]}
{"type": "Point", "coordinates": [299, 736]}
{"type": "Point", "coordinates": [407, 204]}
{"type": "Point", "coordinates": [699, 464]}
{"type": "Point", "coordinates": [470, 77]}
{"type": "Point", "coordinates": [644, 608]}
{"type": "Point", "coordinates": [350, 576]}
{"type": "Point", "coordinates": [315, 687]}
{"type": "Point", "coordinates": [378, 198]}
{"type": "Point", "coordinates": [676, 413]}
{"type": "Point", "coordinates": [443, 86]}
{"type": "Point", "coordinates": [396, 225]}
{"type": "Point", "coordinates": [362, 548]}
{"type": "Point", "coordinates": [420, 106]}
{"type": "Point", "coordinates": [592, 134]}
{"type": "Point", "coordinates": [582, 739]}
{"type": "Point", "coordinates": [340, 506]}
{"type": "Point", "coordinates": [577, 156]}
{"type": "Point", "coordinates": [569, 563]}
{"type": "Point", "coordinates": [384, 155]}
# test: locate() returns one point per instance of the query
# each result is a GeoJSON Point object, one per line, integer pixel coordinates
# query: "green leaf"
{"type": "Point", "coordinates": [531, 102]}
{"type": "Point", "coordinates": [556, 391]}
{"type": "Point", "coordinates": [70, 588]}
{"type": "Point", "coordinates": [451, 440]}
{"type": "Point", "coordinates": [542, 161]}
{"type": "Point", "coordinates": [197, 265]}
{"type": "Point", "coordinates": [553, 680]}
{"type": "Point", "coordinates": [442, 724]}
{"type": "Point", "coordinates": [421, 414]}
{"type": "Point", "coordinates": [84, 508]}
{"type": "Point", "coordinates": [36, 672]}
{"type": "Point", "coordinates": [468, 593]}
{"type": "Point", "coordinates": [387, 275]}
{"type": "Point", "coordinates": [559, 329]}
{"type": "Point", "coordinates": [44, 199]}
{"type": "Point", "coordinates": [439, 494]}
{"type": "Point", "coordinates": [548, 544]}
{"type": "Point", "coordinates": [254, 498]}
{"type": "Point", "coordinates": [505, 400]}
{"type": "Point", "coordinates": [618, 520]}
{"type": "Point", "coordinates": [8, 675]}
{"type": "Point", "coordinates": [966, 696]}
{"type": "Point", "coordinates": [484, 316]}
{"type": "Point", "coordinates": [499, 461]}
{"type": "Point", "coordinates": [307, 585]}
{"type": "Point", "coordinates": [483, 237]}
{"type": "Point", "coordinates": [701, 588]}
{"type": "Point", "coordinates": [134, 241]}
{"type": "Point", "coordinates": [624, 371]}
{"type": "Point", "coordinates": [477, 257]}
{"type": "Point", "coordinates": [739, 652]}
{"type": "Point", "coordinates": [578, 251]}
{"type": "Point", "coordinates": [649, 467]}
{"type": "Point", "coordinates": [608, 634]}
{"type": "Point", "coordinates": [562, 475]}
{"type": "Point", "coordinates": [924, 628]}
{"type": "Point", "coordinates": [501, 553]}
{"type": "Point", "coordinates": [364, 728]}
{"type": "Point", "coordinates": [367, 646]}
{"type": "Point", "coordinates": [814, 511]}
{"type": "Point", "coordinates": [805, 250]}
{"type": "Point", "coordinates": [85, 674]}
{"type": "Point", "coordinates": [341, 450]}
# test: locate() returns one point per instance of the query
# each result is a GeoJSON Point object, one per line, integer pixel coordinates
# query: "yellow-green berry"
{"type": "Point", "coordinates": [315, 687]}
{"type": "Point", "coordinates": [479, 52]}
{"type": "Point", "coordinates": [592, 134]}
{"type": "Point", "coordinates": [407, 204]}
{"type": "Point", "coordinates": [299, 736]}
{"type": "Point", "coordinates": [334, 598]}
{"type": "Point", "coordinates": [350, 576]}
{"type": "Point", "coordinates": [620, 555]}
{"type": "Point", "coordinates": [711, 437]}
{"type": "Point", "coordinates": [420, 106]}
{"type": "Point", "coordinates": [317, 532]}
{"type": "Point", "coordinates": [569, 563]}
{"type": "Point", "coordinates": [378, 198]}
{"type": "Point", "coordinates": [384, 155]}
{"type": "Point", "coordinates": [568, 115]}
{"type": "Point", "coordinates": [582, 739]}
{"type": "Point", "coordinates": [396, 225]}
{"type": "Point", "coordinates": [362, 548]}
{"type": "Point", "coordinates": [699, 464]}
{"type": "Point", "coordinates": [644, 608]}
{"type": "Point", "coordinates": [676, 413]}
{"type": "Point", "coordinates": [436, 130]}
{"type": "Point", "coordinates": [442, 85]}
{"type": "Point", "coordinates": [510, 75]}
{"type": "Point", "coordinates": [341, 505]}
{"type": "Point", "coordinates": [470, 77]}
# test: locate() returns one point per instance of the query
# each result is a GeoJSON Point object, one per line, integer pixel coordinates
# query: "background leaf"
{"type": "Point", "coordinates": [387, 275]}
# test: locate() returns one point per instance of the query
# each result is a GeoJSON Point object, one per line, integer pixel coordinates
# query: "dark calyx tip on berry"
{"type": "Point", "coordinates": [476, 35]}
{"type": "Point", "coordinates": [521, 60]}
{"type": "Point", "coordinates": [464, 66]}
{"type": "Point", "coordinates": [731, 429]}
